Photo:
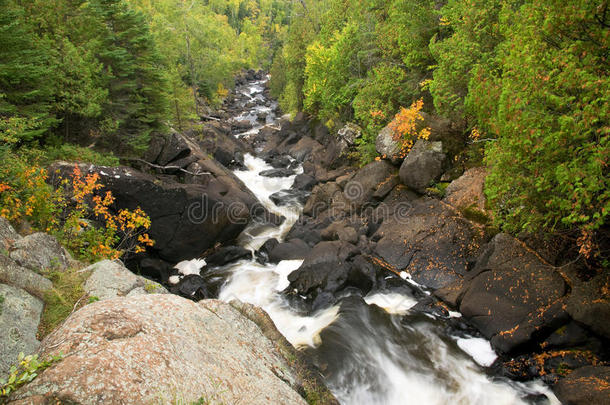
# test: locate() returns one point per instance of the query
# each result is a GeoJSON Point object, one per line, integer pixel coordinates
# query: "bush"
{"type": "Point", "coordinates": [70, 212]}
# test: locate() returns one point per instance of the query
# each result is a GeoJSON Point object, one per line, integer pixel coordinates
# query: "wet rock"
{"type": "Point", "coordinates": [8, 235]}
{"type": "Point", "coordinates": [423, 165]}
{"type": "Point", "coordinates": [20, 277]}
{"type": "Point", "coordinates": [430, 241]}
{"type": "Point", "coordinates": [294, 249]}
{"type": "Point", "coordinates": [467, 191]}
{"type": "Point", "coordinates": [585, 386]}
{"type": "Point", "coordinates": [325, 268]}
{"type": "Point", "coordinates": [289, 197]}
{"type": "Point", "coordinates": [512, 295]}
{"type": "Point", "coordinates": [193, 287]}
{"type": "Point", "coordinates": [19, 316]}
{"type": "Point", "coordinates": [155, 268]}
{"type": "Point", "coordinates": [110, 279]}
{"type": "Point", "coordinates": [277, 173]}
{"type": "Point", "coordinates": [215, 139]}
{"type": "Point", "coordinates": [243, 125]}
{"type": "Point", "coordinates": [279, 162]}
{"type": "Point", "coordinates": [227, 254]}
{"type": "Point", "coordinates": [304, 148]}
{"type": "Point", "coordinates": [163, 348]}
{"type": "Point", "coordinates": [40, 251]}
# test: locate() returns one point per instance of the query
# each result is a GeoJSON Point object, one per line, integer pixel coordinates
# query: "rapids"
{"type": "Point", "coordinates": [373, 351]}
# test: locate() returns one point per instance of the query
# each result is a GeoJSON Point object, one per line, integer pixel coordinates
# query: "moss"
{"type": "Point", "coordinates": [437, 189]}
{"type": "Point", "coordinates": [62, 300]}
{"type": "Point", "coordinates": [474, 214]}
{"type": "Point", "coordinates": [1, 303]}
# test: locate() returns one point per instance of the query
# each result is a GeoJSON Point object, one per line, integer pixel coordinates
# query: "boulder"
{"type": "Point", "coordinates": [325, 269]}
{"type": "Point", "coordinates": [187, 219]}
{"type": "Point", "coordinates": [226, 255]}
{"type": "Point", "coordinates": [165, 349]}
{"type": "Point", "coordinates": [40, 251]}
{"type": "Point", "coordinates": [110, 279]}
{"type": "Point", "coordinates": [467, 191]}
{"type": "Point", "coordinates": [215, 139]}
{"type": "Point", "coordinates": [277, 173]}
{"type": "Point", "coordinates": [347, 137]}
{"type": "Point", "coordinates": [585, 386]}
{"type": "Point", "coordinates": [291, 197]}
{"type": "Point", "coordinates": [329, 196]}
{"type": "Point", "coordinates": [359, 191]}
{"type": "Point", "coordinates": [430, 241]}
{"type": "Point", "coordinates": [589, 303]}
{"type": "Point", "coordinates": [8, 235]}
{"type": "Point", "coordinates": [512, 295]}
{"type": "Point", "coordinates": [387, 147]}
{"type": "Point", "coordinates": [20, 277]}
{"type": "Point", "coordinates": [19, 316]}
{"type": "Point", "coordinates": [294, 249]}
{"type": "Point", "coordinates": [340, 230]}
{"type": "Point", "coordinates": [193, 287]}
{"type": "Point", "coordinates": [423, 165]}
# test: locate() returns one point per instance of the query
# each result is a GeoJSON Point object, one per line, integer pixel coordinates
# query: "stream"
{"type": "Point", "coordinates": [371, 352]}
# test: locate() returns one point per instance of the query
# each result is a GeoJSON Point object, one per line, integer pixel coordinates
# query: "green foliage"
{"type": "Point", "coordinates": [62, 299]}
{"type": "Point", "coordinates": [549, 166]}
{"type": "Point", "coordinates": [25, 371]}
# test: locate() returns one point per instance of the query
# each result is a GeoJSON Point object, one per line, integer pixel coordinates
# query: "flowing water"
{"type": "Point", "coordinates": [374, 351]}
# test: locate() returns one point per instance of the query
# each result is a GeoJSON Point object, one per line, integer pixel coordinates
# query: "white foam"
{"type": "Point", "coordinates": [392, 303]}
{"type": "Point", "coordinates": [189, 267]}
{"type": "Point", "coordinates": [479, 349]}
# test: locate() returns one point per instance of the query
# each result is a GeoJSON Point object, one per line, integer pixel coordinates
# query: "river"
{"type": "Point", "coordinates": [374, 351]}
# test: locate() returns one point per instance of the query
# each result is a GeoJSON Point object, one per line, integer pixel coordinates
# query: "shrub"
{"type": "Point", "coordinates": [406, 127]}
{"type": "Point", "coordinates": [27, 368]}
{"type": "Point", "coordinates": [71, 211]}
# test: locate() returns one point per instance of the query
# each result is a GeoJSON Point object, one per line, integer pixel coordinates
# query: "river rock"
{"type": "Point", "coordinates": [226, 255]}
{"type": "Point", "coordinates": [430, 241]}
{"type": "Point", "coordinates": [216, 139]}
{"type": "Point", "coordinates": [585, 386]}
{"type": "Point", "coordinates": [423, 165]}
{"type": "Point", "coordinates": [40, 251]}
{"type": "Point", "coordinates": [193, 287]}
{"type": "Point", "coordinates": [110, 279]}
{"type": "Point", "coordinates": [20, 277]}
{"type": "Point", "coordinates": [511, 294]}
{"type": "Point", "coordinates": [467, 191]}
{"type": "Point", "coordinates": [277, 173]}
{"type": "Point", "coordinates": [325, 269]}
{"type": "Point", "coordinates": [19, 316]}
{"type": "Point", "coordinates": [294, 249]}
{"type": "Point", "coordinates": [164, 349]}
{"type": "Point", "coordinates": [291, 197]}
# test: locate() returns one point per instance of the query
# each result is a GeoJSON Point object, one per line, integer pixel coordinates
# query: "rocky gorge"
{"type": "Point", "coordinates": [371, 280]}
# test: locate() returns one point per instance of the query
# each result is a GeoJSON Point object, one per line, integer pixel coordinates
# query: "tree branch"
{"type": "Point", "coordinates": [168, 167]}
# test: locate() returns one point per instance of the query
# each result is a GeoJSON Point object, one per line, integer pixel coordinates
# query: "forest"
{"type": "Point", "coordinates": [524, 84]}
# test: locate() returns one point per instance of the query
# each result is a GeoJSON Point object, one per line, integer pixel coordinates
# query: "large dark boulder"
{"type": "Point", "coordinates": [512, 296]}
{"type": "Point", "coordinates": [294, 249]}
{"type": "Point", "coordinates": [215, 139]}
{"type": "Point", "coordinates": [430, 241]}
{"type": "Point", "coordinates": [187, 219]}
{"type": "Point", "coordinates": [362, 187]}
{"type": "Point", "coordinates": [589, 303]}
{"type": "Point", "coordinates": [585, 386]}
{"type": "Point", "coordinates": [423, 165]}
{"type": "Point", "coordinates": [325, 269]}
